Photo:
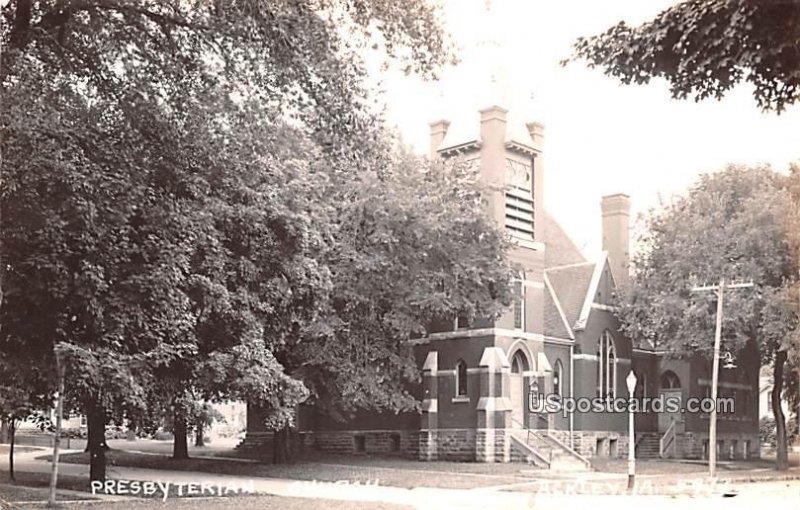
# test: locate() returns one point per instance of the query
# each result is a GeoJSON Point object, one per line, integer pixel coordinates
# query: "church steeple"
{"type": "Point", "coordinates": [486, 132]}
{"type": "Point", "coordinates": [491, 48]}
{"type": "Point", "coordinates": [507, 152]}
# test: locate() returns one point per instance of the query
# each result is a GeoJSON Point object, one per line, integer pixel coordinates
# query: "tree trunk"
{"type": "Point", "coordinates": [180, 447]}
{"type": "Point", "coordinates": [782, 456]}
{"type": "Point", "coordinates": [4, 430]}
{"type": "Point", "coordinates": [96, 423]}
{"type": "Point", "coordinates": [281, 453]}
{"type": "Point", "coordinates": [199, 440]}
{"type": "Point", "coordinates": [90, 425]}
{"type": "Point", "coordinates": [12, 432]}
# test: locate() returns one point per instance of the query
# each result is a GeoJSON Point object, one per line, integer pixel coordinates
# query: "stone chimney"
{"type": "Point", "coordinates": [616, 240]}
{"type": "Point", "coordinates": [438, 132]}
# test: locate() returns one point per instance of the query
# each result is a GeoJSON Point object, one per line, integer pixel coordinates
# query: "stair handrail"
{"type": "Point", "coordinates": [533, 452]}
{"type": "Point", "coordinates": [523, 427]}
{"type": "Point", "coordinates": [569, 450]}
{"type": "Point", "coordinates": [667, 441]}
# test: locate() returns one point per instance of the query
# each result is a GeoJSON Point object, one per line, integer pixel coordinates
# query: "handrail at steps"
{"type": "Point", "coordinates": [533, 452]}
{"type": "Point", "coordinates": [667, 441]}
{"type": "Point", "coordinates": [568, 449]}
{"type": "Point", "coordinates": [522, 427]}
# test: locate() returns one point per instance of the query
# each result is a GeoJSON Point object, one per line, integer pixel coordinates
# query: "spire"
{"type": "Point", "coordinates": [492, 44]}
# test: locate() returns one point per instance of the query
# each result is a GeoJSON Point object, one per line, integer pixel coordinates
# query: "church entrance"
{"type": "Point", "coordinates": [670, 389]}
{"type": "Point", "coordinates": [519, 400]}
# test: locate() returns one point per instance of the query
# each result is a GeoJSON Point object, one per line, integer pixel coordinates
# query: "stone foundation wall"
{"type": "Point", "coordinates": [382, 442]}
{"type": "Point", "coordinates": [690, 445]}
{"type": "Point", "coordinates": [449, 444]}
{"type": "Point", "coordinates": [455, 444]}
{"type": "Point", "coordinates": [595, 443]}
{"type": "Point", "coordinates": [469, 445]}
{"type": "Point", "coordinates": [492, 445]}
{"type": "Point", "coordinates": [694, 445]}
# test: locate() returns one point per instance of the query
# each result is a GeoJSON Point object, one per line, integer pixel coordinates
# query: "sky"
{"type": "Point", "coordinates": [601, 137]}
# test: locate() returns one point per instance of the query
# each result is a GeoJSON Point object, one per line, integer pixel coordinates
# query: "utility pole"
{"type": "Point", "coordinates": [712, 427]}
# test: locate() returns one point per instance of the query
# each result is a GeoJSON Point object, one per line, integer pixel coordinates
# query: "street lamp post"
{"type": "Point", "coordinates": [631, 382]}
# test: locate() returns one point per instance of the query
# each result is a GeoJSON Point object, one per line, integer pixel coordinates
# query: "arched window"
{"type": "Point", "coordinates": [558, 373]}
{"type": "Point", "coordinates": [519, 300]}
{"type": "Point", "coordinates": [670, 380]}
{"type": "Point", "coordinates": [461, 378]}
{"type": "Point", "coordinates": [519, 363]}
{"type": "Point", "coordinates": [607, 366]}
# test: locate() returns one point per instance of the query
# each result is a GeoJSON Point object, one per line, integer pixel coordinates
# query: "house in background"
{"type": "Point", "coordinates": [765, 411]}
{"type": "Point", "coordinates": [765, 396]}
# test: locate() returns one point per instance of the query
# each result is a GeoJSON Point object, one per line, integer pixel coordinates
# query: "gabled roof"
{"type": "Point", "coordinates": [567, 279]}
{"type": "Point", "coordinates": [591, 292]}
{"type": "Point", "coordinates": [556, 323]}
{"type": "Point", "coordinates": [570, 285]}
{"type": "Point", "coordinates": [560, 248]}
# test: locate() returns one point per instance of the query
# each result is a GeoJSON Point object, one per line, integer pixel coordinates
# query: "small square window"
{"type": "Point", "coordinates": [359, 444]}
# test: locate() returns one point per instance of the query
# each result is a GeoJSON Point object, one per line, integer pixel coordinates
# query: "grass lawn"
{"type": "Point", "coordinates": [34, 487]}
{"type": "Point", "coordinates": [222, 446]}
{"type": "Point", "coordinates": [769, 459]}
{"type": "Point", "coordinates": [391, 472]}
{"type": "Point", "coordinates": [20, 494]}
{"type": "Point", "coordinates": [42, 480]}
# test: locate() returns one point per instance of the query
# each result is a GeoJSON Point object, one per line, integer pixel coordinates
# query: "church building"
{"type": "Point", "coordinates": [560, 340]}
{"type": "Point", "coordinates": [561, 337]}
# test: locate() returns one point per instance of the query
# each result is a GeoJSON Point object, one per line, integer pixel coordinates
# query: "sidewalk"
{"type": "Point", "coordinates": [421, 497]}
{"type": "Point", "coordinates": [417, 498]}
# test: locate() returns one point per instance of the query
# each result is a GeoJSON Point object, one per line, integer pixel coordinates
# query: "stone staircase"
{"type": "Point", "coordinates": [537, 448]}
{"type": "Point", "coordinates": [648, 445]}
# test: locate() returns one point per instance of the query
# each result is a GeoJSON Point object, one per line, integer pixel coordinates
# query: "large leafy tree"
{"type": "Point", "coordinates": [703, 48]}
{"type": "Point", "coordinates": [133, 221]}
{"type": "Point", "coordinates": [412, 244]}
{"type": "Point", "coordinates": [735, 224]}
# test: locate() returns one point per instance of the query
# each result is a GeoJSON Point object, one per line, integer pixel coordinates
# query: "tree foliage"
{"type": "Point", "coordinates": [413, 245]}
{"type": "Point", "coordinates": [200, 200]}
{"type": "Point", "coordinates": [736, 224]}
{"type": "Point", "coordinates": [703, 48]}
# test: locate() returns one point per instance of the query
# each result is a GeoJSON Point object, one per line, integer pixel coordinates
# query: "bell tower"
{"type": "Point", "coordinates": [507, 153]}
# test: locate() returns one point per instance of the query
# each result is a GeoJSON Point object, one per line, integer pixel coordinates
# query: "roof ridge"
{"type": "Point", "coordinates": [559, 309]}
{"type": "Point", "coordinates": [568, 266]}
{"type": "Point", "coordinates": [591, 291]}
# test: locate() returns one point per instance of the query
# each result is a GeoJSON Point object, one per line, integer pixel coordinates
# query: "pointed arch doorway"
{"type": "Point", "coordinates": [669, 388]}
{"type": "Point", "coordinates": [520, 367]}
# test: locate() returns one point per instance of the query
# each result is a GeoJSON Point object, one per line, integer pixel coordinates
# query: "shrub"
{"type": "Point", "coordinates": [767, 431]}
